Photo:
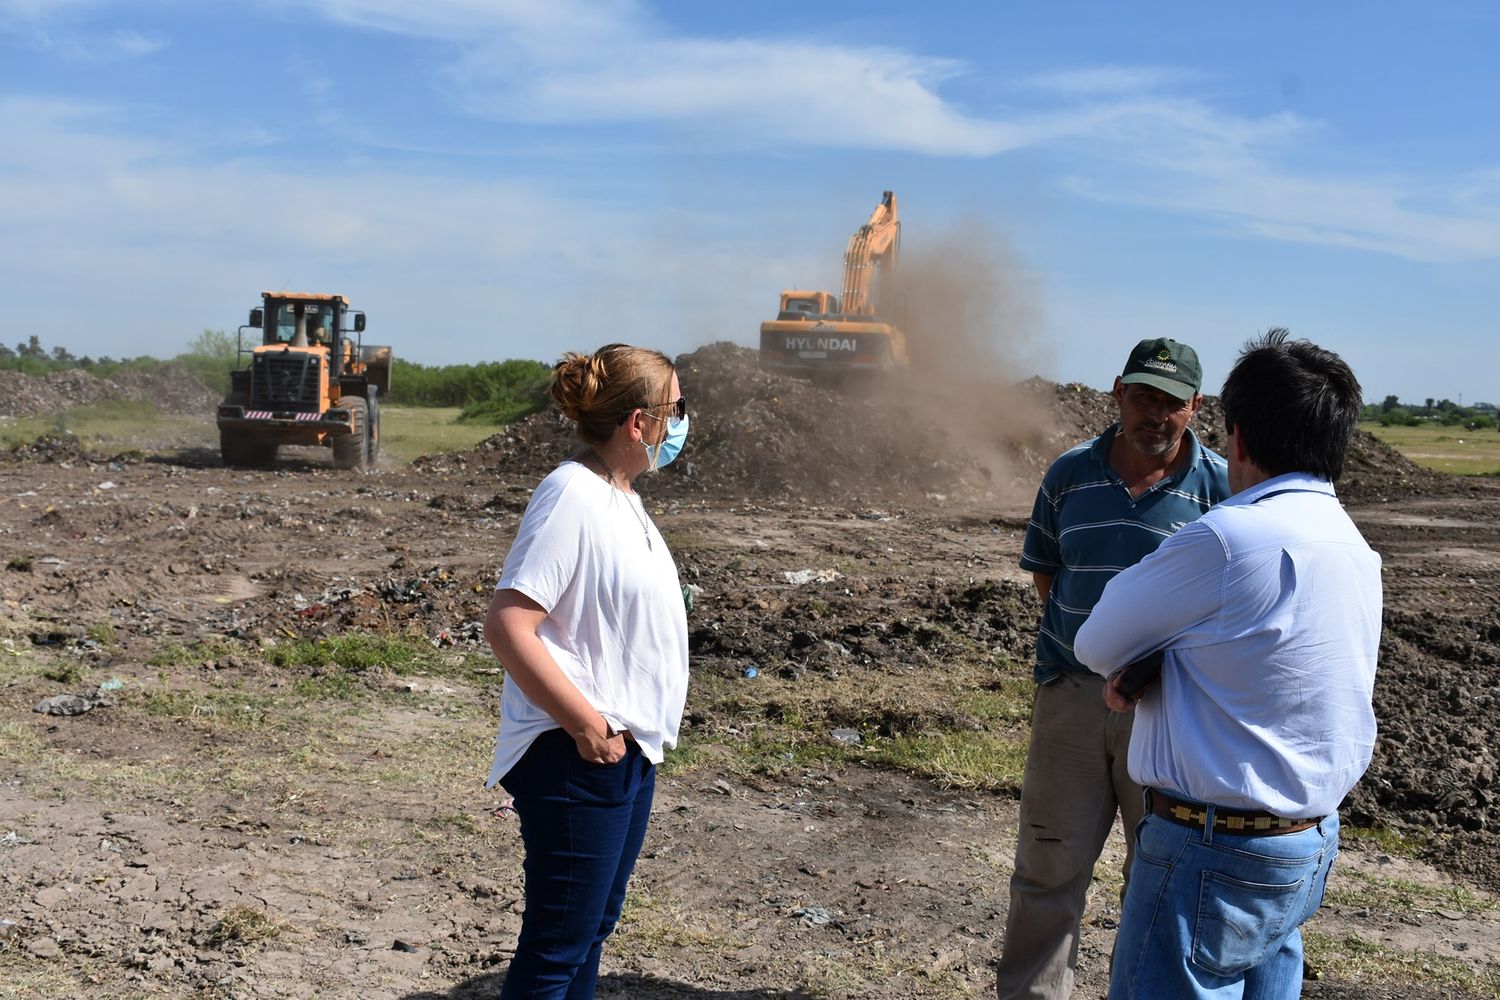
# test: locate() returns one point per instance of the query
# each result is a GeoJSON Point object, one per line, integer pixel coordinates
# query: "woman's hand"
{"type": "Point", "coordinates": [600, 746]}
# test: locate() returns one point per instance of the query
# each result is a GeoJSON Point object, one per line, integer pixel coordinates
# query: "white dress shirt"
{"type": "Point", "coordinates": [1268, 608]}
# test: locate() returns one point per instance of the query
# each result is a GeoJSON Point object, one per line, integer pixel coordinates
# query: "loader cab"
{"type": "Point", "coordinates": [299, 322]}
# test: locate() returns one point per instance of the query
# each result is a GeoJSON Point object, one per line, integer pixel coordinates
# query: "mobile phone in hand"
{"type": "Point", "coordinates": [1139, 675]}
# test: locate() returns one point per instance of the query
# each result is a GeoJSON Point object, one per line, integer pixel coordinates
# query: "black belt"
{"type": "Point", "coordinates": [1195, 814]}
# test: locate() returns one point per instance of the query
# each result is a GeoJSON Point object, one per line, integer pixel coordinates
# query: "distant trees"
{"type": "Point", "coordinates": [491, 392]}
{"type": "Point", "coordinates": [1391, 412]}
{"type": "Point", "coordinates": [495, 392]}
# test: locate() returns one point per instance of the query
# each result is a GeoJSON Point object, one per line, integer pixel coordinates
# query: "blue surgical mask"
{"type": "Point", "coordinates": [671, 445]}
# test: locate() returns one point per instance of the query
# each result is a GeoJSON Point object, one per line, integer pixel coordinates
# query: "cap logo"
{"type": "Point", "coordinates": [1161, 364]}
{"type": "Point", "coordinates": [1163, 355]}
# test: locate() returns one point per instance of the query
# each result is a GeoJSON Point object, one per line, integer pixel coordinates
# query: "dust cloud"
{"type": "Point", "coordinates": [972, 313]}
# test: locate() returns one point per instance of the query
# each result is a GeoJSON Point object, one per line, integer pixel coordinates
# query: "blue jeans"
{"type": "Point", "coordinates": [582, 826]}
{"type": "Point", "coordinates": [1215, 914]}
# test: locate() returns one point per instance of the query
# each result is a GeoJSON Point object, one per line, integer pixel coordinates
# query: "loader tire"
{"type": "Point", "coordinates": [243, 451]}
{"type": "Point", "coordinates": [351, 451]}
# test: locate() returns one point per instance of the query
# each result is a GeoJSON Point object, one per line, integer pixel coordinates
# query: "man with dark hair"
{"type": "Point", "coordinates": [1102, 506]}
{"type": "Point", "coordinates": [1267, 609]}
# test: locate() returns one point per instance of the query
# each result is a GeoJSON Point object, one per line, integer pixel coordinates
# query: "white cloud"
{"type": "Point", "coordinates": [135, 44]}
{"type": "Point", "coordinates": [451, 270]}
{"type": "Point", "coordinates": [573, 63]}
{"type": "Point", "coordinates": [1109, 80]}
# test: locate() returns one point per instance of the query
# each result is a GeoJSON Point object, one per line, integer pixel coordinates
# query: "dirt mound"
{"type": "Point", "coordinates": [170, 389]}
{"type": "Point", "coordinates": [760, 435]}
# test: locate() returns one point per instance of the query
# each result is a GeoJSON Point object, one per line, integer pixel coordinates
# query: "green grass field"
{"type": "Point", "coordinates": [412, 431]}
{"type": "Point", "coordinates": [120, 425]}
{"type": "Point", "coordinates": [1444, 449]}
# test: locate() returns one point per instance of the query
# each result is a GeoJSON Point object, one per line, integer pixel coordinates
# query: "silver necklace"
{"type": "Point", "coordinates": [636, 509]}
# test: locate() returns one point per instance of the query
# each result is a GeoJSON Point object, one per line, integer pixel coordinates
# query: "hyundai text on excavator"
{"type": "Point", "coordinates": [817, 335]}
{"type": "Point", "coordinates": [308, 382]}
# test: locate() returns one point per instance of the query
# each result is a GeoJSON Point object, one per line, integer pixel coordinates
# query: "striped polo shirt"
{"type": "Point", "coordinates": [1086, 527]}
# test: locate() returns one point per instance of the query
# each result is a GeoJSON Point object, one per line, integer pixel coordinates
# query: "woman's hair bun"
{"type": "Point", "coordinates": [575, 383]}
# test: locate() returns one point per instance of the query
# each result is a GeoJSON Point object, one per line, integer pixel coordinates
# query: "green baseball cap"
{"type": "Point", "coordinates": [1164, 364]}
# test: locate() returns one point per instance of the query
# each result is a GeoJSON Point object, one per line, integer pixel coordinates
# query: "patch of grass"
{"type": "Point", "coordinates": [20, 743]}
{"type": "Point", "coordinates": [103, 633]}
{"type": "Point", "coordinates": [407, 432]}
{"type": "Point", "coordinates": [19, 564]}
{"type": "Point", "coordinates": [175, 654]}
{"type": "Point", "coordinates": [238, 708]}
{"type": "Point", "coordinates": [114, 422]}
{"type": "Point", "coordinates": [1358, 888]}
{"type": "Point", "coordinates": [244, 926]}
{"type": "Point", "coordinates": [684, 758]}
{"type": "Point", "coordinates": [654, 922]}
{"type": "Point", "coordinates": [1359, 960]}
{"type": "Point", "coordinates": [353, 651]}
{"type": "Point", "coordinates": [825, 974]}
{"type": "Point", "coordinates": [963, 724]}
{"type": "Point", "coordinates": [1008, 699]}
{"type": "Point", "coordinates": [1445, 449]}
{"type": "Point", "coordinates": [1400, 843]}
{"type": "Point", "coordinates": [23, 977]}
{"type": "Point", "coordinates": [957, 759]}
{"type": "Point", "coordinates": [63, 672]}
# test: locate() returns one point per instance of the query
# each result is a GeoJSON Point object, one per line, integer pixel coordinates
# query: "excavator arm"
{"type": "Point", "coordinates": [871, 251]}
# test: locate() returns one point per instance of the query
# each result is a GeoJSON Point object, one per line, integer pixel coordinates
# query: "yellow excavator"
{"type": "Point", "coordinates": [827, 338]}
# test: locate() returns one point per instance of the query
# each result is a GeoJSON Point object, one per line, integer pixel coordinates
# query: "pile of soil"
{"type": "Point", "coordinates": [170, 389]}
{"type": "Point", "coordinates": [761, 435]}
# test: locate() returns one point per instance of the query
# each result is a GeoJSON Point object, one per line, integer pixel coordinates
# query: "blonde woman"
{"type": "Point", "coordinates": [588, 621]}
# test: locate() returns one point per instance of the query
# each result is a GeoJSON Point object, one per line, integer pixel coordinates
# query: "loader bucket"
{"type": "Point", "coordinates": [377, 362]}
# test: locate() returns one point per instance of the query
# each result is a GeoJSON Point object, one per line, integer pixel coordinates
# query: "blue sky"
{"type": "Point", "coordinates": [493, 178]}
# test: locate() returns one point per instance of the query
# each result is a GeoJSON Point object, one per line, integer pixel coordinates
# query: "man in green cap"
{"type": "Point", "coordinates": [1103, 505]}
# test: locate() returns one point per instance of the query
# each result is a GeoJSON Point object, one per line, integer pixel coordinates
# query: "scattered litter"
{"type": "Point", "coordinates": [507, 808]}
{"type": "Point", "coordinates": [690, 594]}
{"type": "Point", "coordinates": [722, 787]}
{"type": "Point", "coordinates": [848, 736]}
{"type": "Point", "coordinates": [812, 916]}
{"type": "Point", "coordinates": [751, 672]}
{"type": "Point", "coordinates": [77, 704]}
{"type": "Point", "coordinates": [65, 704]}
{"type": "Point", "coordinates": [14, 839]}
{"type": "Point", "coordinates": [106, 485]}
{"type": "Point", "coordinates": [798, 577]}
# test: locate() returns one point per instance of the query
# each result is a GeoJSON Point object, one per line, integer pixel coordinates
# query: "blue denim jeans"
{"type": "Point", "coordinates": [1215, 914]}
{"type": "Point", "coordinates": [582, 826]}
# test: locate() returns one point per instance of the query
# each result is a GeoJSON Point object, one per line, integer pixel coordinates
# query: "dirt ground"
{"type": "Point", "coordinates": [235, 822]}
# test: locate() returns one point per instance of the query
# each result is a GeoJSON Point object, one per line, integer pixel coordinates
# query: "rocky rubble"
{"type": "Point", "coordinates": [169, 388]}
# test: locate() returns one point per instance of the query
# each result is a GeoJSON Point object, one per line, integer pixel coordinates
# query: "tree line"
{"type": "Point", "coordinates": [1391, 412]}
{"type": "Point", "coordinates": [495, 392]}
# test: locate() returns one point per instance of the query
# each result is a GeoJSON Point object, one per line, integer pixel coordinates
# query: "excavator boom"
{"type": "Point", "coordinates": [871, 249]}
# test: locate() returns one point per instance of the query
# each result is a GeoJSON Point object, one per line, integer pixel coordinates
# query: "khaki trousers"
{"type": "Point", "coordinates": [1075, 782]}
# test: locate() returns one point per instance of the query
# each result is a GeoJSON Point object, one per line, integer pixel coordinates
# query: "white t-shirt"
{"type": "Point", "coordinates": [615, 621]}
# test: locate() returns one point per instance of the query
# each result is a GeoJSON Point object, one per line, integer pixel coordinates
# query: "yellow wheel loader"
{"type": "Point", "coordinates": [310, 381]}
